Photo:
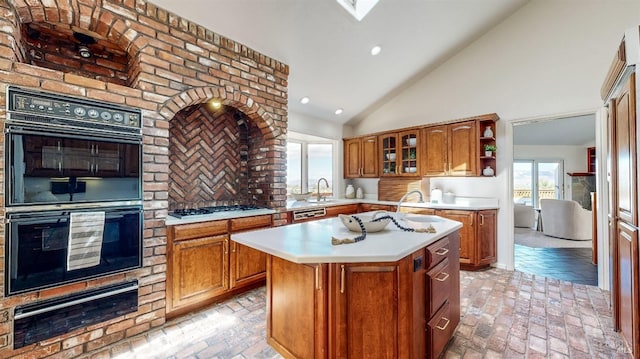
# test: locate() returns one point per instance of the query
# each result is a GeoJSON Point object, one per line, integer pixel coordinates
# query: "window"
{"type": "Point", "coordinates": [536, 179]}
{"type": "Point", "coordinates": [309, 160]}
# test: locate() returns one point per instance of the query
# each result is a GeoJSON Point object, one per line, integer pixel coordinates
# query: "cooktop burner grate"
{"type": "Point", "coordinates": [180, 213]}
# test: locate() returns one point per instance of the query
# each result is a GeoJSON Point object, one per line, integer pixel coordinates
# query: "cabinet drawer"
{"type": "Point", "coordinates": [196, 230]}
{"type": "Point", "coordinates": [245, 223]}
{"type": "Point", "coordinates": [439, 330]}
{"type": "Point", "coordinates": [439, 285]}
{"type": "Point", "coordinates": [333, 211]}
{"type": "Point", "coordinates": [437, 252]}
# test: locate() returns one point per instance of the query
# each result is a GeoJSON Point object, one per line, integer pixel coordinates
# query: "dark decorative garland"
{"type": "Point", "coordinates": [363, 235]}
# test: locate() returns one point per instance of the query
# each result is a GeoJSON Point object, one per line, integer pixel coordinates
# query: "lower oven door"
{"type": "Point", "coordinates": [51, 248]}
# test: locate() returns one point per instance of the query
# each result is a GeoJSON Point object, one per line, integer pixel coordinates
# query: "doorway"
{"type": "Point", "coordinates": [545, 151]}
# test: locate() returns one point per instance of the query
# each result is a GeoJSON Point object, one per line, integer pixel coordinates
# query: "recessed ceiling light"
{"type": "Point", "coordinates": [216, 104]}
{"type": "Point", "coordinates": [305, 100]}
{"type": "Point", "coordinates": [339, 111]}
{"type": "Point", "coordinates": [375, 50]}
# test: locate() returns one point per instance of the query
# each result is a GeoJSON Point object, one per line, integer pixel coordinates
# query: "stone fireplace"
{"type": "Point", "coordinates": [143, 56]}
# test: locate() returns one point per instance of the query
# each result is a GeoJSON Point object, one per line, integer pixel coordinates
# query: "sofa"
{"type": "Point", "coordinates": [523, 216]}
{"type": "Point", "coordinates": [565, 219]}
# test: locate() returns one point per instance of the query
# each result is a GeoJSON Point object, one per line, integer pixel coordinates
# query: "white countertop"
{"type": "Point", "coordinates": [310, 242]}
{"type": "Point", "coordinates": [170, 221]}
{"type": "Point", "coordinates": [463, 203]}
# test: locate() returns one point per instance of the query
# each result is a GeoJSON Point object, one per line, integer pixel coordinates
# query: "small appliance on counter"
{"type": "Point", "coordinates": [436, 195]}
{"type": "Point", "coordinates": [448, 197]}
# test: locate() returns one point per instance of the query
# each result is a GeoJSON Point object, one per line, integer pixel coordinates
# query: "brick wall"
{"type": "Point", "coordinates": [172, 64]}
{"type": "Point", "coordinates": [209, 158]}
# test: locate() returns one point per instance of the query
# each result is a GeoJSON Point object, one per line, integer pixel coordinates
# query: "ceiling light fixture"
{"type": "Point", "coordinates": [84, 40]}
{"type": "Point", "coordinates": [375, 50]}
{"type": "Point", "coordinates": [339, 111]}
{"type": "Point", "coordinates": [305, 100]}
{"type": "Point", "coordinates": [358, 8]}
{"type": "Point", "coordinates": [216, 104]}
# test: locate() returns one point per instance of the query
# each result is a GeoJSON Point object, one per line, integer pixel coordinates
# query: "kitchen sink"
{"type": "Point", "coordinates": [420, 218]}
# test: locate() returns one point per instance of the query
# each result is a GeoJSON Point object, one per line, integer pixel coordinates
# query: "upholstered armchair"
{"type": "Point", "coordinates": [523, 216]}
{"type": "Point", "coordinates": [565, 219]}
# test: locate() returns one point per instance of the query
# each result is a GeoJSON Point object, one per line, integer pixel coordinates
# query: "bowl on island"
{"type": "Point", "coordinates": [367, 220]}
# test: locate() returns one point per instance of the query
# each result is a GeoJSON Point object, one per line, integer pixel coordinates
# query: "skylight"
{"type": "Point", "coordinates": [358, 8]}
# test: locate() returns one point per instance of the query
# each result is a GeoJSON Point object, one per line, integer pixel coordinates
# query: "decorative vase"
{"type": "Point", "coordinates": [488, 171]}
{"type": "Point", "coordinates": [359, 193]}
{"type": "Point", "coordinates": [350, 192]}
{"type": "Point", "coordinates": [488, 132]}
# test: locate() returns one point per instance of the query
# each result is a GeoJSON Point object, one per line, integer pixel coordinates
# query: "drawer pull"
{"type": "Point", "coordinates": [318, 284]}
{"type": "Point", "coordinates": [442, 251]}
{"type": "Point", "coordinates": [445, 324]}
{"type": "Point", "coordinates": [442, 278]}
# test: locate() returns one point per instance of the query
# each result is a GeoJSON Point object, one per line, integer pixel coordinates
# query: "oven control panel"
{"type": "Point", "coordinates": [29, 102]}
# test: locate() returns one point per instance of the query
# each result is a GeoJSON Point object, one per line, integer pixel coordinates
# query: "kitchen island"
{"type": "Point", "coordinates": [396, 294]}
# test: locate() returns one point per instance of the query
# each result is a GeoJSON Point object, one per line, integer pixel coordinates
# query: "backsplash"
{"type": "Point", "coordinates": [208, 154]}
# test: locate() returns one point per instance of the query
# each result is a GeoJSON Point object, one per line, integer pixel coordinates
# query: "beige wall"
{"type": "Point", "coordinates": [549, 58]}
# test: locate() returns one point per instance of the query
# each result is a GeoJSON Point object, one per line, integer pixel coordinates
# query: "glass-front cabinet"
{"type": "Point", "coordinates": [399, 153]}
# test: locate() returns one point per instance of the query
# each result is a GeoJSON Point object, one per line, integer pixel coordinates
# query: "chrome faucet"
{"type": "Point", "coordinates": [407, 195]}
{"type": "Point", "coordinates": [325, 181]}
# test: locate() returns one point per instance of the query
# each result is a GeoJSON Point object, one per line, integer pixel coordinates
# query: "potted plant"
{"type": "Point", "coordinates": [489, 149]}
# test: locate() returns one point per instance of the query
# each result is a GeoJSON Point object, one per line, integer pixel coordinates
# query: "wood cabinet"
{"type": "Point", "coordinates": [333, 211]}
{"type": "Point", "coordinates": [197, 262]}
{"type": "Point", "coordinates": [403, 309]}
{"type": "Point", "coordinates": [478, 236]}
{"type": "Point", "coordinates": [451, 150]}
{"type": "Point", "coordinates": [360, 157]}
{"type": "Point", "coordinates": [487, 134]}
{"type": "Point", "coordinates": [203, 264]}
{"type": "Point", "coordinates": [399, 153]}
{"type": "Point", "coordinates": [627, 272]}
{"type": "Point", "coordinates": [368, 207]}
{"type": "Point", "coordinates": [591, 159]}
{"type": "Point", "coordinates": [297, 308]}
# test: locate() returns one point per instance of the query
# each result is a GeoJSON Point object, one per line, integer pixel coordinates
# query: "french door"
{"type": "Point", "coordinates": [537, 179]}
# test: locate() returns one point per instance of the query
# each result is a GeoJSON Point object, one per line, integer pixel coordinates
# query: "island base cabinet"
{"type": "Point", "coordinates": [296, 308]}
{"type": "Point", "coordinates": [365, 310]}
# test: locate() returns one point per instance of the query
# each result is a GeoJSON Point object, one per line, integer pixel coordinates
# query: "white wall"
{"type": "Point", "coordinates": [304, 124]}
{"type": "Point", "coordinates": [549, 58]}
{"type": "Point", "coordinates": [574, 159]}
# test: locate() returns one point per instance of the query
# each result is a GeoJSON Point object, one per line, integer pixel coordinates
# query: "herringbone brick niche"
{"type": "Point", "coordinates": [208, 154]}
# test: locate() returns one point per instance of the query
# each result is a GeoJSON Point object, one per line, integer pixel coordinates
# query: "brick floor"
{"type": "Point", "coordinates": [505, 314]}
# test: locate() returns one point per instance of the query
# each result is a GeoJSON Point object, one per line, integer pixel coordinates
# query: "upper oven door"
{"type": "Point", "coordinates": [67, 168]}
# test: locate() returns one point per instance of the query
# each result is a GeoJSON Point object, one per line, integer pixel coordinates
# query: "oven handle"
{"type": "Point", "coordinates": [39, 216]}
{"type": "Point", "coordinates": [71, 133]}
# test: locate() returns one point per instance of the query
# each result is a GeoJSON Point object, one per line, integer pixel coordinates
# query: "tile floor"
{"type": "Point", "coordinates": [568, 264]}
{"type": "Point", "coordinates": [505, 314]}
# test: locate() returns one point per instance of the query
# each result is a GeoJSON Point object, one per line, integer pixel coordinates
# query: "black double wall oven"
{"type": "Point", "coordinates": [73, 190]}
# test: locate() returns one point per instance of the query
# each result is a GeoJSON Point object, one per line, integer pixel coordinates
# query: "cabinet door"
{"type": "Point", "coordinates": [352, 149]}
{"type": "Point", "coordinates": [486, 237]}
{"type": "Point", "coordinates": [467, 233]}
{"type": "Point", "coordinates": [408, 145]}
{"type": "Point", "coordinates": [389, 156]}
{"type": "Point", "coordinates": [296, 325]}
{"type": "Point", "coordinates": [435, 162]}
{"type": "Point", "coordinates": [627, 275]}
{"type": "Point", "coordinates": [367, 207]}
{"type": "Point", "coordinates": [369, 157]}
{"type": "Point", "coordinates": [365, 291]}
{"type": "Point", "coordinates": [199, 269]}
{"type": "Point", "coordinates": [625, 142]}
{"type": "Point", "coordinates": [247, 265]}
{"type": "Point", "coordinates": [463, 160]}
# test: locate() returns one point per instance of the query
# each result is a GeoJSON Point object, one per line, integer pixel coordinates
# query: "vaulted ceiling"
{"type": "Point", "coordinates": [328, 51]}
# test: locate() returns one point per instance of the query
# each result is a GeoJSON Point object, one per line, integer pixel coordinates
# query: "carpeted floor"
{"type": "Point", "coordinates": [532, 238]}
